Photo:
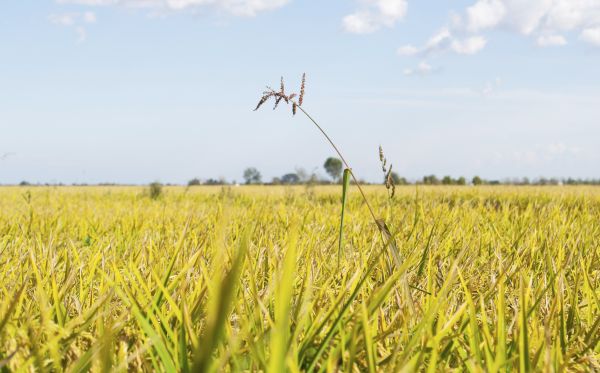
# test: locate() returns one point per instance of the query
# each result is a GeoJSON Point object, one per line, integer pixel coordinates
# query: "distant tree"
{"type": "Point", "coordinates": [477, 180]}
{"type": "Point", "coordinates": [447, 180]}
{"type": "Point", "coordinates": [461, 181]}
{"type": "Point", "coordinates": [252, 176]}
{"type": "Point", "coordinates": [290, 179]}
{"type": "Point", "coordinates": [212, 181]}
{"type": "Point", "coordinates": [194, 182]}
{"type": "Point", "coordinates": [24, 183]}
{"type": "Point", "coordinates": [397, 179]}
{"type": "Point", "coordinates": [155, 190]}
{"type": "Point", "coordinates": [431, 180]}
{"type": "Point", "coordinates": [333, 167]}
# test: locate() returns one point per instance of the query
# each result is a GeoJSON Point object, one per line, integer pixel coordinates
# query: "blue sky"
{"type": "Point", "coordinates": [141, 90]}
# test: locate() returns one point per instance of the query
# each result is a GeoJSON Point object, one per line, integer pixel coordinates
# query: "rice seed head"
{"type": "Point", "coordinates": [263, 99]}
{"type": "Point", "coordinates": [389, 182]}
{"type": "Point", "coordinates": [281, 95]}
{"type": "Point", "coordinates": [383, 160]}
{"type": "Point", "coordinates": [285, 97]}
{"type": "Point", "coordinates": [302, 86]}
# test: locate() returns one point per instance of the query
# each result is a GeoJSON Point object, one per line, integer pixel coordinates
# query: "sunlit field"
{"type": "Point", "coordinates": [250, 279]}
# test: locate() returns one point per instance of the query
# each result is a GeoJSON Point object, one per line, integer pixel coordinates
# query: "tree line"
{"type": "Point", "coordinates": [334, 167]}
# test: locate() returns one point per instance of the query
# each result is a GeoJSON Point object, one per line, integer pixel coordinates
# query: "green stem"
{"type": "Point", "coordinates": [343, 160]}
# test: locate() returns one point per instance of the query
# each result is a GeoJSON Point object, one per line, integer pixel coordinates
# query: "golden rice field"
{"type": "Point", "coordinates": [249, 279]}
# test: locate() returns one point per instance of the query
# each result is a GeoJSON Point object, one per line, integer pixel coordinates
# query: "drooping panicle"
{"type": "Point", "coordinates": [302, 86]}
{"type": "Point", "coordinates": [383, 160]}
{"type": "Point", "coordinates": [389, 182]}
{"type": "Point", "coordinates": [280, 95]}
{"type": "Point", "coordinates": [263, 99]}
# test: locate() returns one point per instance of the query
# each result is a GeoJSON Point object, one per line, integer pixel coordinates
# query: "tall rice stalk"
{"type": "Point", "coordinates": [290, 99]}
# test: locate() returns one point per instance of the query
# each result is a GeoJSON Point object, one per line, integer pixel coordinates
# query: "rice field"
{"type": "Point", "coordinates": [211, 279]}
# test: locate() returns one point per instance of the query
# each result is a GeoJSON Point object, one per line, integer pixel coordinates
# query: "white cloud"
{"type": "Point", "coordinates": [444, 41]}
{"type": "Point", "coordinates": [75, 21]}
{"type": "Point", "coordinates": [245, 8]}
{"type": "Point", "coordinates": [551, 40]}
{"type": "Point", "coordinates": [375, 14]}
{"type": "Point", "coordinates": [438, 41]}
{"type": "Point", "coordinates": [359, 23]}
{"type": "Point", "coordinates": [573, 14]}
{"type": "Point", "coordinates": [546, 21]}
{"type": "Point", "coordinates": [526, 16]}
{"type": "Point", "coordinates": [485, 14]}
{"type": "Point", "coordinates": [591, 35]}
{"type": "Point", "coordinates": [548, 16]}
{"type": "Point", "coordinates": [250, 8]}
{"type": "Point", "coordinates": [408, 50]}
{"type": "Point", "coordinates": [469, 45]}
{"type": "Point", "coordinates": [392, 10]}
{"type": "Point", "coordinates": [182, 4]}
{"type": "Point", "coordinates": [422, 69]}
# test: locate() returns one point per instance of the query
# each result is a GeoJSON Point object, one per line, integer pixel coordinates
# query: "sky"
{"type": "Point", "coordinates": [134, 91]}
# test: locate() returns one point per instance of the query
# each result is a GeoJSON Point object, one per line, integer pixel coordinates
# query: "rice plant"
{"type": "Point", "coordinates": [104, 279]}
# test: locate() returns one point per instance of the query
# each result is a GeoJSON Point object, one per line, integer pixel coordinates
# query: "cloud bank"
{"type": "Point", "coordinates": [372, 15]}
{"type": "Point", "coordinates": [547, 22]}
{"type": "Point", "coordinates": [244, 8]}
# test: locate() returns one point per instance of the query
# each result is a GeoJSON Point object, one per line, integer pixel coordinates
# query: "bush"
{"type": "Point", "coordinates": [155, 190]}
{"type": "Point", "coordinates": [194, 182]}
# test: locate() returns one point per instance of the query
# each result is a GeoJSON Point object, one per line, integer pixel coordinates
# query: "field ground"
{"type": "Point", "coordinates": [250, 278]}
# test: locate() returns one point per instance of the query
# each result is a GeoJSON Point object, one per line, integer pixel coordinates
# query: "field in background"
{"type": "Point", "coordinates": [248, 278]}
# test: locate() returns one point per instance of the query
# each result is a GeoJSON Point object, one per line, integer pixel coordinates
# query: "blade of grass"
{"type": "Point", "coordinates": [213, 333]}
{"type": "Point", "coordinates": [281, 330]}
{"type": "Point", "coordinates": [345, 184]}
